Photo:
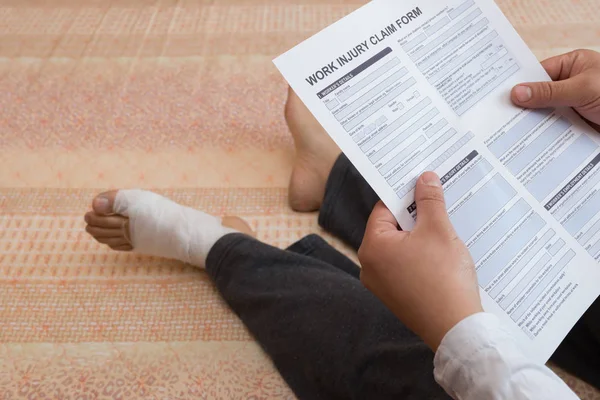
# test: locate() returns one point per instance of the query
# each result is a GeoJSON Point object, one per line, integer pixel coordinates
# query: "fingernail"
{"type": "Point", "coordinates": [431, 179]}
{"type": "Point", "coordinates": [523, 93]}
{"type": "Point", "coordinates": [102, 205]}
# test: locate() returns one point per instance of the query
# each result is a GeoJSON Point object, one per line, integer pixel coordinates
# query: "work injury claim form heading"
{"type": "Point", "coordinates": [407, 86]}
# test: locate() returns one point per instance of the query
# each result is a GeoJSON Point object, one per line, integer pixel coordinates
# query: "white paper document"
{"type": "Point", "coordinates": [409, 86]}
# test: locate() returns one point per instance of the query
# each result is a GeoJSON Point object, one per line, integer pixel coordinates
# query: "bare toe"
{"type": "Point", "coordinates": [104, 221]}
{"type": "Point", "coordinates": [103, 203]}
{"type": "Point", "coordinates": [98, 232]}
{"type": "Point", "coordinates": [126, 247]}
{"type": "Point", "coordinates": [112, 241]}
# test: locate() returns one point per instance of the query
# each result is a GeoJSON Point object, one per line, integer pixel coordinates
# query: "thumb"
{"type": "Point", "coordinates": [431, 207]}
{"type": "Point", "coordinates": [567, 93]}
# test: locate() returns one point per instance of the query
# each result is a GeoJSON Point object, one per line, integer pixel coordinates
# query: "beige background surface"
{"type": "Point", "coordinates": [175, 95]}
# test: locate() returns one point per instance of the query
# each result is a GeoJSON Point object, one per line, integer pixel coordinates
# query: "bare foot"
{"type": "Point", "coordinates": [114, 230]}
{"type": "Point", "coordinates": [315, 155]}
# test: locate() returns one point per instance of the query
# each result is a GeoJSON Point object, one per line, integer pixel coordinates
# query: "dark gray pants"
{"type": "Point", "coordinates": [328, 336]}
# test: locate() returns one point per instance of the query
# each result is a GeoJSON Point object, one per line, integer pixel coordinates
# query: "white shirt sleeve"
{"type": "Point", "coordinates": [478, 359]}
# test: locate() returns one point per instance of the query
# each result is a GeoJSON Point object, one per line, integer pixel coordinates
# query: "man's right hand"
{"type": "Point", "coordinates": [426, 276]}
{"type": "Point", "coordinates": [576, 77]}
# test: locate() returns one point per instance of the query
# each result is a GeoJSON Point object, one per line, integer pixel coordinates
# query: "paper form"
{"type": "Point", "coordinates": [407, 87]}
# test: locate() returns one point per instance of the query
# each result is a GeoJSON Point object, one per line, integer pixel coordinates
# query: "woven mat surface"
{"type": "Point", "coordinates": [178, 96]}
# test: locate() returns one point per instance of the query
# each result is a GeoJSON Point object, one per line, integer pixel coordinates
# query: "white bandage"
{"type": "Point", "coordinates": [163, 228]}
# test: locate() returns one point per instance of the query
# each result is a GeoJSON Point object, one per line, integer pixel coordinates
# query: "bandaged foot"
{"type": "Point", "coordinates": [153, 225]}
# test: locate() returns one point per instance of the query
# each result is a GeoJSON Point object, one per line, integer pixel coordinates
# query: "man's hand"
{"type": "Point", "coordinates": [426, 276]}
{"type": "Point", "coordinates": [576, 77]}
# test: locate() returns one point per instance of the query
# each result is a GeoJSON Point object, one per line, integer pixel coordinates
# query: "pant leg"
{"type": "Point", "coordinates": [347, 204]}
{"type": "Point", "coordinates": [346, 208]}
{"type": "Point", "coordinates": [328, 336]}
{"type": "Point", "coordinates": [579, 353]}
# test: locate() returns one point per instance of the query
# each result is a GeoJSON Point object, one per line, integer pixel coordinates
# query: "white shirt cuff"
{"type": "Point", "coordinates": [454, 369]}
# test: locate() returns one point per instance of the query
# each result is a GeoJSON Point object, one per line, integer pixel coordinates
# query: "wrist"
{"type": "Point", "coordinates": [445, 322]}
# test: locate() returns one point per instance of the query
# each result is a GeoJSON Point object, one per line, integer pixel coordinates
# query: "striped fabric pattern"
{"type": "Point", "coordinates": [179, 96]}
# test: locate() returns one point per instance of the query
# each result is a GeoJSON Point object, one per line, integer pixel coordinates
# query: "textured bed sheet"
{"type": "Point", "coordinates": [178, 96]}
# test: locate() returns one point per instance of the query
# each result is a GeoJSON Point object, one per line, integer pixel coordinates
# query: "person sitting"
{"type": "Point", "coordinates": [410, 318]}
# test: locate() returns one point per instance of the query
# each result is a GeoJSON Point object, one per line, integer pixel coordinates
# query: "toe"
{"type": "Point", "coordinates": [126, 247]}
{"type": "Point", "coordinates": [113, 242]}
{"type": "Point", "coordinates": [98, 232]}
{"type": "Point", "coordinates": [103, 203]}
{"type": "Point", "coordinates": [104, 221]}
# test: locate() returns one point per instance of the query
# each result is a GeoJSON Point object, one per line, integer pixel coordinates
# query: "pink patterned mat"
{"type": "Point", "coordinates": [179, 96]}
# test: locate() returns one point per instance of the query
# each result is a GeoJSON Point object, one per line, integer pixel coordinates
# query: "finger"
{"type": "Point", "coordinates": [594, 125]}
{"type": "Point", "coordinates": [571, 92]}
{"type": "Point", "coordinates": [431, 207]}
{"type": "Point", "coordinates": [560, 67]}
{"type": "Point", "coordinates": [381, 220]}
